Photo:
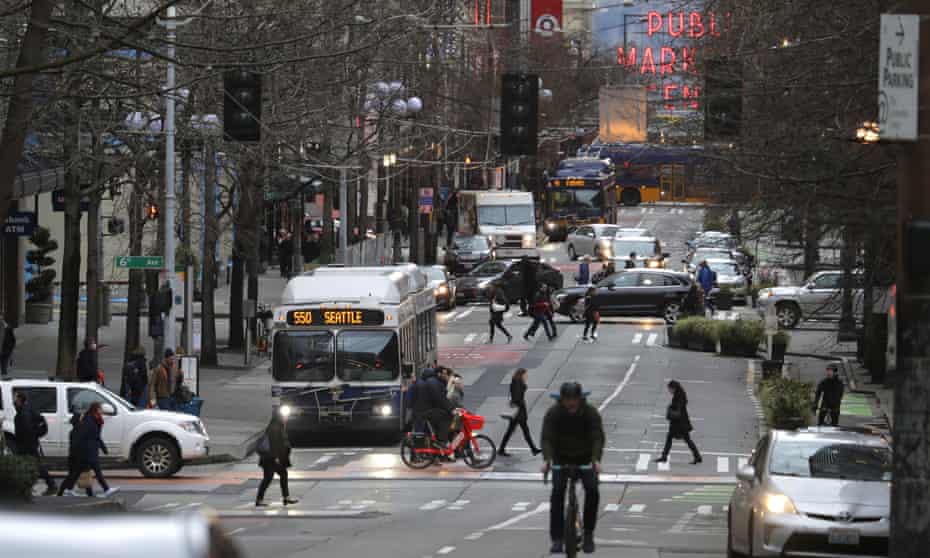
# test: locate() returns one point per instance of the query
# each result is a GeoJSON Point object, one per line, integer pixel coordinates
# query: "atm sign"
{"type": "Point", "coordinates": [317, 316]}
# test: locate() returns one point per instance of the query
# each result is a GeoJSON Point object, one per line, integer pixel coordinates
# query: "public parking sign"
{"type": "Point", "coordinates": [898, 77]}
{"type": "Point", "coordinates": [20, 223]}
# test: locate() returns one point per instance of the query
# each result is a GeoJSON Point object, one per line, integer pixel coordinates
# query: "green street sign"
{"type": "Point", "coordinates": [139, 262]}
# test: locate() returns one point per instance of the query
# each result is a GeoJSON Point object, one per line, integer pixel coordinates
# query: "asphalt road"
{"type": "Point", "coordinates": [357, 499]}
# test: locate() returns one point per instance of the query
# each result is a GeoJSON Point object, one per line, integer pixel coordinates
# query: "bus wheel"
{"type": "Point", "coordinates": [630, 196]}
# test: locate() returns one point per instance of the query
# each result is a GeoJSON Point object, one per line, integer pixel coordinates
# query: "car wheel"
{"type": "Point", "coordinates": [158, 457]}
{"type": "Point", "coordinates": [671, 312]}
{"type": "Point", "coordinates": [788, 314]}
{"type": "Point", "coordinates": [571, 253]}
{"type": "Point", "coordinates": [730, 552]}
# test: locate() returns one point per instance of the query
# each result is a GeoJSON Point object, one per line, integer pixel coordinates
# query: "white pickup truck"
{"type": "Point", "coordinates": [157, 442]}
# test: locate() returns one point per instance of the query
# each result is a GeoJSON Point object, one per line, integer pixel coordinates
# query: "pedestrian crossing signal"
{"type": "Point", "coordinates": [151, 211]}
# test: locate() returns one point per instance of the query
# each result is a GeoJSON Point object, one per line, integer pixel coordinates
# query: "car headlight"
{"type": "Point", "coordinates": [285, 411]}
{"type": "Point", "coordinates": [550, 226]}
{"type": "Point", "coordinates": [441, 290]}
{"type": "Point", "coordinates": [778, 503]}
{"type": "Point", "coordinates": [384, 410]}
{"type": "Point", "coordinates": [529, 241]}
{"type": "Point", "coordinates": [194, 427]}
{"type": "Point", "coordinates": [653, 264]}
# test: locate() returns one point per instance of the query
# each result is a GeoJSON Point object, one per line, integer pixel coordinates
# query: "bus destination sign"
{"type": "Point", "coordinates": [571, 182]}
{"type": "Point", "coordinates": [324, 317]}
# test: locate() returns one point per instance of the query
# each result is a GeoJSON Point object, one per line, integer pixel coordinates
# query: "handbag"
{"type": "Point", "coordinates": [263, 447]}
{"type": "Point", "coordinates": [85, 480]}
{"type": "Point", "coordinates": [673, 413]}
{"type": "Point", "coordinates": [495, 307]}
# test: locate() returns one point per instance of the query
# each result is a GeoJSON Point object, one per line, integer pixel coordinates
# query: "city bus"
{"type": "Point", "coordinates": [346, 342]}
{"type": "Point", "coordinates": [580, 193]}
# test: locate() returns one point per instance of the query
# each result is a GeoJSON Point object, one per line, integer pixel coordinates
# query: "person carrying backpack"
{"type": "Point", "coordinates": [274, 456]}
{"type": "Point", "coordinates": [30, 426]}
{"type": "Point", "coordinates": [6, 349]}
{"type": "Point", "coordinates": [135, 377]}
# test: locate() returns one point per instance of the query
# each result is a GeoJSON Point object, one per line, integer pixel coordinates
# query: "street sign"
{"type": "Point", "coordinates": [426, 200]}
{"type": "Point", "coordinates": [139, 262]}
{"type": "Point", "coordinates": [19, 223]}
{"type": "Point", "coordinates": [898, 79]}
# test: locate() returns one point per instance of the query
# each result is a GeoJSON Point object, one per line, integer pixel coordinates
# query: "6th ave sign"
{"type": "Point", "coordinates": [139, 262]}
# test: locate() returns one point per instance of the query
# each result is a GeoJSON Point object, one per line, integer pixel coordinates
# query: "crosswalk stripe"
{"type": "Point", "coordinates": [665, 466]}
{"type": "Point", "coordinates": [705, 510]}
{"type": "Point", "coordinates": [642, 464]}
{"type": "Point", "coordinates": [637, 508]}
{"type": "Point", "coordinates": [474, 536]}
{"type": "Point", "coordinates": [520, 506]}
{"type": "Point", "coordinates": [465, 314]}
{"type": "Point", "coordinates": [723, 464]}
{"type": "Point", "coordinates": [452, 315]}
{"type": "Point", "coordinates": [611, 507]}
{"type": "Point", "coordinates": [322, 460]}
{"type": "Point", "coordinates": [637, 338]}
{"type": "Point", "coordinates": [445, 550]}
{"type": "Point", "coordinates": [652, 339]}
{"type": "Point", "coordinates": [470, 337]}
{"type": "Point", "coordinates": [643, 210]}
{"type": "Point", "coordinates": [741, 462]}
{"type": "Point", "coordinates": [434, 505]}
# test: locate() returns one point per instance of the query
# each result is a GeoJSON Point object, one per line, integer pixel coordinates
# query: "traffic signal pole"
{"type": "Point", "coordinates": [910, 489]}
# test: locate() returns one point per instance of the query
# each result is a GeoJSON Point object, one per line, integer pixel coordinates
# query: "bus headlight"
{"type": "Point", "coordinates": [442, 290]}
{"type": "Point", "coordinates": [385, 410]}
{"type": "Point", "coordinates": [550, 225]}
{"type": "Point", "coordinates": [285, 411]}
{"type": "Point", "coordinates": [529, 241]}
{"type": "Point", "coordinates": [653, 264]}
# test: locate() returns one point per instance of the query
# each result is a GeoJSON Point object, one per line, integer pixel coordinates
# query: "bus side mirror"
{"type": "Point", "coordinates": [407, 371]}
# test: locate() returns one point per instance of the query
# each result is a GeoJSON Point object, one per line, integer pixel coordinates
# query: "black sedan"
{"type": "Point", "coordinates": [637, 292]}
{"type": "Point", "coordinates": [506, 275]}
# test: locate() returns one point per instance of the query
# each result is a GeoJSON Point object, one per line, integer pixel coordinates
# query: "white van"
{"type": "Point", "coordinates": [157, 442]}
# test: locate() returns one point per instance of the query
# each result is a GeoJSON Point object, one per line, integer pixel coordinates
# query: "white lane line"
{"type": "Point", "coordinates": [474, 536]}
{"type": "Point", "coordinates": [637, 508]}
{"type": "Point", "coordinates": [741, 462]}
{"type": "Point", "coordinates": [485, 337]}
{"type": "Point", "coordinates": [611, 507]}
{"type": "Point", "coordinates": [642, 464]}
{"type": "Point", "coordinates": [167, 506]}
{"type": "Point", "coordinates": [682, 523]}
{"type": "Point", "coordinates": [458, 505]}
{"type": "Point", "coordinates": [518, 518]}
{"type": "Point", "coordinates": [637, 338]}
{"type": "Point", "coordinates": [367, 502]}
{"type": "Point", "coordinates": [723, 464]}
{"type": "Point", "coordinates": [705, 510]}
{"type": "Point", "coordinates": [520, 506]}
{"type": "Point", "coordinates": [191, 505]}
{"type": "Point", "coordinates": [652, 339]}
{"type": "Point", "coordinates": [616, 393]}
{"type": "Point", "coordinates": [235, 531]}
{"type": "Point", "coordinates": [470, 337]}
{"type": "Point", "coordinates": [344, 502]}
{"type": "Point", "coordinates": [322, 460]}
{"type": "Point", "coordinates": [445, 550]}
{"type": "Point", "coordinates": [666, 466]}
{"type": "Point", "coordinates": [465, 314]}
{"type": "Point", "coordinates": [452, 315]}
{"type": "Point", "coordinates": [434, 505]}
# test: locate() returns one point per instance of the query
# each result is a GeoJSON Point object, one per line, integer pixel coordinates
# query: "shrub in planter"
{"type": "Point", "coordinates": [740, 337]}
{"type": "Point", "coordinates": [683, 330]}
{"type": "Point", "coordinates": [702, 335]}
{"type": "Point", "coordinates": [674, 339]}
{"type": "Point", "coordinates": [786, 403]}
{"type": "Point", "coordinates": [18, 474]}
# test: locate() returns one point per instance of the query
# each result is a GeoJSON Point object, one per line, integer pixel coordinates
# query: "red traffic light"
{"type": "Point", "coordinates": [151, 211]}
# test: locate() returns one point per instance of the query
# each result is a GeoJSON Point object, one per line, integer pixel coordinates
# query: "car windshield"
{"type": "Point", "coordinates": [623, 247]}
{"type": "Point", "coordinates": [710, 254]}
{"type": "Point", "coordinates": [724, 268]}
{"type": "Point", "coordinates": [435, 274]}
{"type": "Point", "coordinates": [830, 459]}
{"type": "Point", "coordinates": [303, 356]}
{"type": "Point", "coordinates": [472, 243]}
{"type": "Point", "coordinates": [488, 269]}
{"type": "Point", "coordinates": [499, 215]}
{"type": "Point", "coordinates": [367, 356]}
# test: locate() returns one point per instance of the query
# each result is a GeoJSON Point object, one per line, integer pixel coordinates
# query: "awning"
{"type": "Point", "coordinates": [37, 175]}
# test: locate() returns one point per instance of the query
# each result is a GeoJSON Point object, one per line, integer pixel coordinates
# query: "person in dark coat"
{"type": "Point", "coordinates": [518, 401]}
{"type": "Point", "coordinates": [6, 349]}
{"type": "Point", "coordinates": [135, 377]}
{"type": "Point", "coordinates": [498, 304]}
{"type": "Point", "coordinates": [529, 284]}
{"type": "Point", "coordinates": [26, 424]}
{"type": "Point", "coordinates": [591, 315]}
{"type": "Point", "coordinates": [431, 404]}
{"type": "Point", "coordinates": [87, 362]}
{"type": "Point", "coordinates": [829, 397]}
{"type": "Point", "coordinates": [90, 444]}
{"type": "Point", "coordinates": [285, 252]}
{"type": "Point", "coordinates": [679, 424]}
{"type": "Point", "coordinates": [74, 460]}
{"type": "Point", "coordinates": [277, 460]}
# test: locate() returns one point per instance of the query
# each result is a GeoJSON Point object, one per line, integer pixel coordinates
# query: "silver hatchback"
{"type": "Point", "coordinates": [812, 493]}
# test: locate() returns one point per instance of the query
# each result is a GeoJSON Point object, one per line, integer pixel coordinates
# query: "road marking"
{"type": "Point", "coordinates": [445, 550]}
{"type": "Point", "coordinates": [642, 464]}
{"type": "Point", "coordinates": [705, 510]}
{"type": "Point", "coordinates": [165, 506]}
{"type": "Point", "coordinates": [520, 506]}
{"type": "Point", "coordinates": [518, 518]}
{"type": "Point", "coordinates": [452, 316]}
{"type": "Point", "coordinates": [470, 337]}
{"type": "Point", "coordinates": [741, 462]}
{"type": "Point", "coordinates": [666, 465]}
{"type": "Point", "coordinates": [485, 337]}
{"type": "Point", "coordinates": [643, 210]}
{"type": "Point", "coordinates": [623, 384]}
{"type": "Point", "coordinates": [637, 338]}
{"type": "Point", "coordinates": [235, 531]}
{"type": "Point", "coordinates": [458, 505]}
{"type": "Point", "coordinates": [611, 507]}
{"type": "Point", "coordinates": [723, 464]}
{"type": "Point", "coordinates": [474, 536]}
{"type": "Point", "coordinates": [680, 526]}
{"type": "Point", "coordinates": [344, 502]}
{"type": "Point", "coordinates": [652, 210]}
{"type": "Point", "coordinates": [652, 339]}
{"type": "Point", "coordinates": [434, 505]}
{"type": "Point", "coordinates": [465, 314]}
{"type": "Point", "coordinates": [191, 505]}
{"type": "Point", "coordinates": [637, 508]}
{"type": "Point", "coordinates": [325, 459]}
{"type": "Point", "coordinates": [508, 315]}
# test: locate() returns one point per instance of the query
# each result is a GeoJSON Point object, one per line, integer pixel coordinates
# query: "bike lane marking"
{"type": "Point", "coordinates": [620, 388]}
{"type": "Point", "coordinates": [544, 507]}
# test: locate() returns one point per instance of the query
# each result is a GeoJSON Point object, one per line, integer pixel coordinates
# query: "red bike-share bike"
{"type": "Point", "coordinates": [419, 450]}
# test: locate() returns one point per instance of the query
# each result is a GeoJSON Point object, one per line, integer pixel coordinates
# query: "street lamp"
{"type": "Point", "coordinates": [869, 132]}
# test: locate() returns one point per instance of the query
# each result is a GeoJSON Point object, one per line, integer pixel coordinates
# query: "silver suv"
{"type": "Point", "coordinates": [821, 296]}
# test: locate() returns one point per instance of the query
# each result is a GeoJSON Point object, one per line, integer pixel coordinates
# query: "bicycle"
{"type": "Point", "coordinates": [573, 524]}
{"type": "Point", "coordinates": [419, 450]}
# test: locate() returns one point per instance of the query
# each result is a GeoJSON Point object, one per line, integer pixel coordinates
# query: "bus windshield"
{"type": "Point", "coordinates": [303, 356]}
{"type": "Point", "coordinates": [588, 201]}
{"type": "Point", "coordinates": [367, 356]}
{"type": "Point", "coordinates": [498, 215]}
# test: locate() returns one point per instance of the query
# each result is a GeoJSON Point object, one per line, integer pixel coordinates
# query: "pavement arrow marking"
{"type": "Point", "coordinates": [518, 518]}
{"type": "Point", "coordinates": [637, 508]}
{"type": "Point", "coordinates": [642, 464]}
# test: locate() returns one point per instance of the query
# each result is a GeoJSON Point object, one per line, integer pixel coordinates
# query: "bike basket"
{"type": "Point", "coordinates": [474, 422]}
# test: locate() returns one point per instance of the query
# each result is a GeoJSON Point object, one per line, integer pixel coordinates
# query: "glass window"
{"type": "Point", "coordinates": [623, 247]}
{"type": "Point", "coordinates": [670, 281]}
{"type": "Point", "coordinates": [41, 399]}
{"type": "Point", "coordinates": [724, 268]}
{"type": "Point", "coordinates": [79, 399]}
{"type": "Point", "coordinates": [435, 274]}
{"type": "Point", "coordinates": [828, 281]}
{"type": "Point", "coordinates": [498, 215]}
{"type": "Point", "coordinates": [830, 459]}
{"type": "Point", "coordinates": [589, 199]}
{"type": "Point", "coordinates": [367, 356]}
{"type": "Point", "coordinates": [488, 269]}
{"type": "Point", "coordinates": [608, 231]}
{"type": "Point", "coordinates": [626, 279]}
{"type": "Point", "coordinates": [471, 243]}
{"type": "Point", "coordinates": [303, 356]}
{"type": "Point", "coordinates": [562, 200]}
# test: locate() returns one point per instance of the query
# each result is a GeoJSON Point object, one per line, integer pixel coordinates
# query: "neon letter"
{"type": "Point", "coordinates": [669, 89]}
{"type": "Point", "coordinates": [654, 23]}
{"type": "Point", "coordinates": [649, 64]}
{"type": "Point", "coordinates": [626, 59]}
{"type": "Point", "coordinates": [667, 60]}
{"type": "Point", "coordinates": [681, 24]}
{"type": "Point", "coordinates": [687, 60]}
{"type": "Point", "coordinates": [696, 25]}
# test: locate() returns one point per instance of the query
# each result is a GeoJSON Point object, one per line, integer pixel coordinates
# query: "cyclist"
{"type": "Point", "coordinates": [431, 404]}
{"type": "Point", "coordinates": [573, 434]}
{"type": "Point", "coordinates": [829, 397]}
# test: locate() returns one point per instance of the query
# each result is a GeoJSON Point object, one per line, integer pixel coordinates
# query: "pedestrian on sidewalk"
{"type": "Point", "coordinates": [285, 252]}
{"type": "Point", "coordinates": [90, 444]}
{"type": "Point", "coordinates": [29, 427]}
{"type": "Point", "coordinates": [550, 314]}
{"type": "Point", "coordinates": [74, 458]}
{"type": "Point", "coordinates": [87, 362]}
{"type": "Point", "coordinates": [679, 424]}
{"type": "Point", "coordinates": [829, 397]}
{"type": "Point", "coordinates": [135, 377]}
{"type": "Point", "coordinates": [518, 403]}
{"type": "Point", "coordinates": [274, 456]}
{"type": "Point", "coordinates": [540, 310]}
{"type": "Point", "coordinates": [160, 383]}
{"type": "Point", "coordinates": [498, 304]}
{"type": "Point", "coordinates": [592, 315]}
{"type": "Point", "coordinates": [7, 347]}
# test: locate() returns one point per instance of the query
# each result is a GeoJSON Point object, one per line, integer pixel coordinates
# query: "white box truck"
{"type": "Point", "coordinates": [506, 217]}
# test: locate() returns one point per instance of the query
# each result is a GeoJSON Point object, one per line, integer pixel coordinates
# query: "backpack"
{"type": "Point", "coordinates": [263, 447]}
{"type": "Point", "coordinates": [183, 394]}
{"type": "Point", "coordinates": [41, 426]}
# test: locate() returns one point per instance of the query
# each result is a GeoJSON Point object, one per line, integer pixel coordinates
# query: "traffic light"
{"type": "Point", "coordinates": [519, 114]}
{"type": "Point", "coordinates": [151, 211]}
{"type": "Point", "coordinates": [242, 106]}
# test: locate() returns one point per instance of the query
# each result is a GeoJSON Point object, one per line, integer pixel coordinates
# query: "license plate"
{"type": "Point", "coordinates": [844, 536]}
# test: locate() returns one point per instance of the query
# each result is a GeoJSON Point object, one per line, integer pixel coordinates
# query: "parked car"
{"type": "Point", "coordinates": [820, 297]}
{"type": "Point", "coordinates": [158, 443]}
{"type": "Point", "coordinates": [729, 277]}
{"type": "Point", "coordinates": [814, 492]}
{"type": "Point", "coordinates": [443, 285]}
{"type": "Point", "coordinates": [636, 292]}
{"type": "Point", "coordinates": [467, 252]}
{"type": "Point", "coordinates": [632, 231]}
{"type": "Point", "coordinates": [587, 240]}
{"type": "Point", "coordinates": [505, 274]}
{"type": "Point", "coordinates": [648, 251]}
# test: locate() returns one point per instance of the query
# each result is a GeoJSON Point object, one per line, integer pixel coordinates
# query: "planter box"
{"type": "Point", "coordinates": [736, 349]}
{"type": "Point", "coordinates": [674, 340]}
{"type": "Point", "coordinates": [701, 344]}
{"type": "Point", "coordinates": [778, 351]}
{"type": "Point", "coordinates": [723, 301]}
{"type": "Point", "coordinates": [39, 313]}
{"type": "Point", "coordinates": [771, 368]}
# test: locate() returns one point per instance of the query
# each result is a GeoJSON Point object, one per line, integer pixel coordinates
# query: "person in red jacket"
{"type": "Point", "coordinates": [540, 311]}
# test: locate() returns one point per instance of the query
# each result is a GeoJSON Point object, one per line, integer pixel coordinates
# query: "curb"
{"type": "Point", "coordinates": [67, 504]}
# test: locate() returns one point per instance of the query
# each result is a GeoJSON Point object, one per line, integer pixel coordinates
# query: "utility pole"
{"type": "Point", "coordinates": [168, 274]}
{"type": "Point", "coordinates": [343, 217]}
{"type": "Point", "coordinates": [910, 491]}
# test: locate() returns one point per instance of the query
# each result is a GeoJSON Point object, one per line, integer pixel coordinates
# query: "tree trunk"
{"type": "Point", "coordinates": [136, 277]}
{"type": "Point", "coordinates": [236, 329]}
{"type": "Point", "coordinates": [847, 325]}
{"type": "Point", "coordinates": [327, 249]}
{"type": "Point", "coordinates": [92, 281]}
{"type": "Point", "coordinates": [19, 110]}
{"type": "Point", "coordinates": [208, 353]}
{"type": "Point", "coordinates": [71, 253]}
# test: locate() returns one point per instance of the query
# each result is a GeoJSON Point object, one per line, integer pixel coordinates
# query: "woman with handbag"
{"type": "Point", "coordinates": [274, 456]}
{"type": "Point", "coordinates": [679, 425]}
{"type": "Point", "coordinates": [520, 415]}
{"type": "Point", "coordinates": [499, 305]}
